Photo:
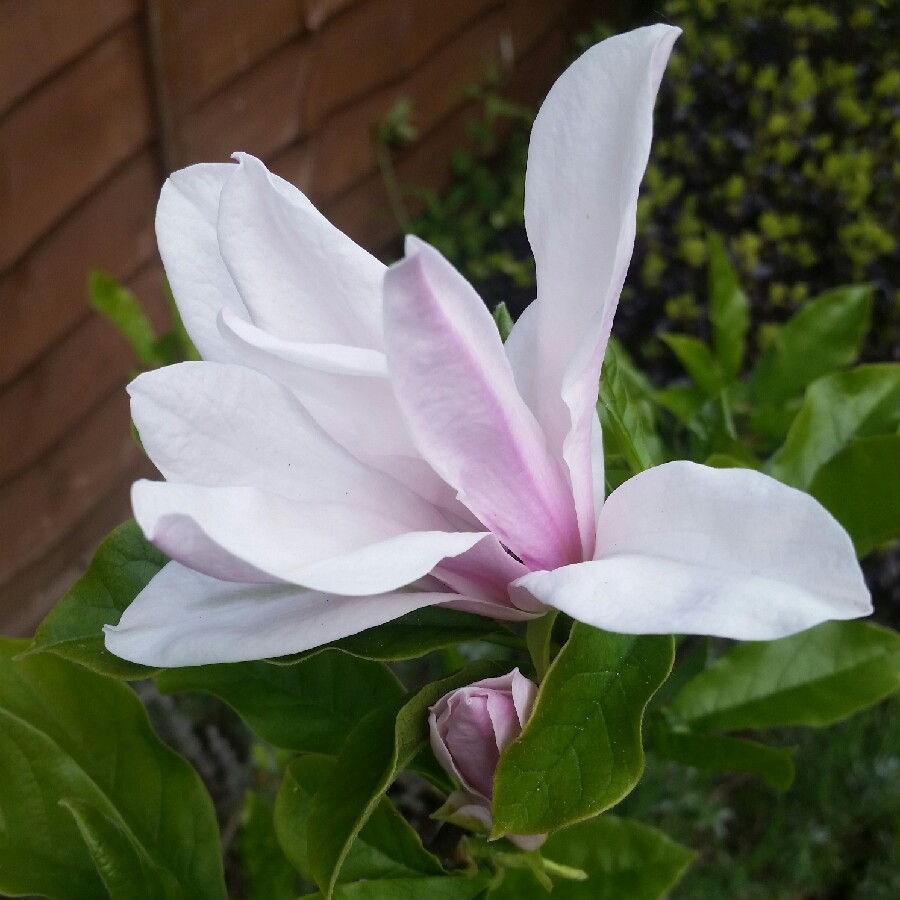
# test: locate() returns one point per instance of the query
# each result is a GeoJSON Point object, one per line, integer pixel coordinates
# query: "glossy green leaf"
{"type": "Point", "coordinates": [825, 335]}
{"type": "Point", "coordinates": [455, 887]}
{"type": "Point", "coordinates": [729, 311]}
{"type": "Point", "coordinates": [121, 568]}
{"type": "Point", "coordinates": [67, 734]}
{"type": "Point", "coordinates": [684, 401]}
{"type": "Point", "coordinates": [382, 744]}
{"type": "Point", "coordinates": [715, 753]}
{"type": "Point", "coordinates": [122, 308]}
{"type": "Point", "coordinates": [414, 635]}
{"type": "Point", "coordinates": [539, 638]}
{"type": "Point", "coordinates": [310, 707]}
{"type": "Point", "coordinates": [624, 860]}
{"type": "Point", "coordinates": [386, 847]}
{"type": "Point", "coordinates": [836, 409]}
{"type": "Point", "coordinates": [816, 677]}
{"type": "Point", "coordinates": [860, 487]}
{"type": "Point", "coordinates": [504, 320]}
{"type": "Point", "coordinates": [125, 868]}
{"type": "Point", "coordinates": [698, 361]}
{"type": "Point", "coordinates": [626, 410]}
{"type": "Point", "coordinates": [581, 750]}
{"type": "Point", "coordinates": [267, 874]}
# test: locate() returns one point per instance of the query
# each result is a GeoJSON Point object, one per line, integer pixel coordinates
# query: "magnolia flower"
{"type": "Point", "coordinates": [469, 728]}
{"type": "Point", "coordinates": [358, 442]}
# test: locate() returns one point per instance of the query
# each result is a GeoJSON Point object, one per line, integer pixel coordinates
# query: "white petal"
{"type": "Point", "coordinates": [457, 393]}
{"type": "Point", "coordinates": [183, 618]}
{"type": "Point", "coordinates": [220, 425]}
{"type": "Point", "coordinates": [347, 392]}
{"type": "Point", "coordinates": [588, 150]}
{"type": "Point", "coordinates": [186, 231]}
{"type": "Point", "coordinates": [244, 534]}
{"type": "Point", "coordinates": [299, 276]}
{"type": "Point", "coordinates": [689, 549]}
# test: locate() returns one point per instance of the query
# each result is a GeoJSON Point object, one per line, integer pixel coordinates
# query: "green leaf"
{"type": "Point", "coordinates": [414, 635]}
{"type": "Point", "coordinates": [382, 744]}
{"type": "Point", "coordinates": [626, 410]}
{"type": "Point", "coordinates": [684, 401]}
{"type": "Point", "coordinates": [127, 872]}
{"type": "Point", "coordinates": [581, 750]}
{"type": "Point", "coordinates": [825, 335]}
{"type": "Point", "coordinates": [836, 409]}
{"type": "Point", "coordinates": [449, 887]}
{"type": "Point", "coordinates": [714, 753]}
{"type": "Point", "coordinates": [624, 860]}
{"type": "Point", "coordinates": [729, 311]}
{"type": "Point", "coordinates": [309, 707]}
{"type": "Point", "coordinates": [697, 360]}
{"type": "Point", "coordinates": [121, 568]}
{"type": "Point", "coordinates": [860, 487]}
{"type": "Point", "coordinates": [68, 734]}
{"type": "Point", "coordinates": [267, 873]}
{"type": "Point", "coordinates": [122, 308]}
{"type": "Point", "coordinates": [538, 636]}
{"type": "Point", "coordinates": [386, 847]}
{"type": "Point", "coordinates": [816, 677]}
{"type": "Point", "coordinates": [504, 320]}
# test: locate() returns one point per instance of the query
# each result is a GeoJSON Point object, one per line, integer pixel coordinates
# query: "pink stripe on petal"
{"type": "Point", "coordinates": [457, 393]}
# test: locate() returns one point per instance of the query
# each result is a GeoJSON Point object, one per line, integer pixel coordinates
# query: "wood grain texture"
{"type": "Point", "coordinates": [39, 37]}
{"type": "Point", "coordinates": [63, 141]}
{"type": "Point", "coordinates": [44, 295]}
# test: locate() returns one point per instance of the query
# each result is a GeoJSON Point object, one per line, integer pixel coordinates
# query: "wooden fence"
{"type": "Point", "coordinates": [98, 101]}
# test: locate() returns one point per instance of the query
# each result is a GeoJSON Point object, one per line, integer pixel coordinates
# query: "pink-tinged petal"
{"type": "Point", "coordinates": [220, 425]}
{"type": "Point", "coordinates": [491, 609]}
{"type": "Point", "coordinates": [347, 392]}
{"type": "Point", "coordinates": [184, 618]}
{"type": "Point", "coordinates": [244, 534]}
{"type": "Point", "coordinates": [588, 150]}
{"type": "Point", "coordinates": [504, 718]}
{"type": "Point", "coordinates": [299, 276]}
{"type": "Point", "coordinates": [468, 738]}
{"type": "Point", "coordinates": [456, 390]}
{"type": "Point", "coordinates": [524, 693]}
{"type": "Point", "coordinates": [186, 231]}
{"type": "Point", "coordinates": [485, 571]}
{"type": "Point", "coordinates": [689, 549]}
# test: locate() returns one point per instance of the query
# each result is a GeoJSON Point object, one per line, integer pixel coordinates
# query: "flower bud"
{"type": "Point", "coordinates": [470, 727]}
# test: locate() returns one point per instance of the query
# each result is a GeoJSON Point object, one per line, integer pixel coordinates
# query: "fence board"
{"type": "Point", "coordinates": [262, 112]}
{"type": "Point", "coordinates": [45, 294]}
{"type": "Point", "coordinates": [39, 37]}
{"type": "Point", "coordinates": [63, 141]}
{"type": "Point", "coordinates": [378, 32]}
{"type": "Point", "coordinates": [207, 43]}
{"type": "Point", "coordinates": [36, 509]}
{"type": "Point", "coordinates": [30, 594]}
{"type": "Point", "coordinates": [64, 385]}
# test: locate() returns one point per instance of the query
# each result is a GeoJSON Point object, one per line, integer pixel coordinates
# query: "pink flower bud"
{"type": "Point", "coordinates": [470, 728]}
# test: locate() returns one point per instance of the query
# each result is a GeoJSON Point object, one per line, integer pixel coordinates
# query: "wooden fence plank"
{"type": "Point", "coordinates": [39, 37]}
{"type": "Point", "coordinates": [33, 590]}
{"type": "Point", "coordinates": [63, 141]}
{"type": "Point", "coordinates": [45, 293]}
{"type": "Point", "coordinates": [261, 112]}
{"type": "Point", "coordinates": [55, 394]}
{"type": "Point", "coordinates": [209, 42]}
{"type": "Point", "coordinates": [38, 507]}
{"type": "Point", "coordinates": [342, 151]}
{"type": "Point", "coordinates": [360, 51]}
